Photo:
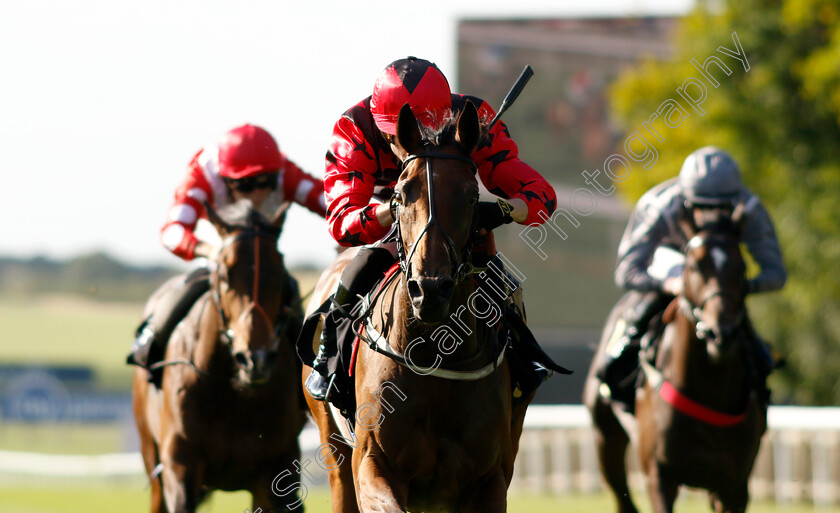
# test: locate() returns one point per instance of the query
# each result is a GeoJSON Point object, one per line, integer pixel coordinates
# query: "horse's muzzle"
{"type": "Point", "coordinates": [255, 366]}
{"type": "Point", "coordinates": [430, 297]}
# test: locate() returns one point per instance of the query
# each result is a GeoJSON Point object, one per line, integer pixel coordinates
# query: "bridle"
{"type": "Point", "coordinates": [226, 333]}
{"type": "Point", "coordinates": [694, 311]}
{"type": "Point", "coordinates": [460, 267]}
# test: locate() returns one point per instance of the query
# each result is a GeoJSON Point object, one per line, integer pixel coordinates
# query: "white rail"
{"type": "Point", "coordinates": [799, 459]}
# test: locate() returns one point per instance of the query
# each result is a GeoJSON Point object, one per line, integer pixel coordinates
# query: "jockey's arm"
{"type": "Point", "coordinates": [760, 238]}
{"type": "Point", "coordinates": [203, 249]}
{"type": "Point", "coordinates": [644, 233]}
{"type": "Point", "coordinates": [352, 218]}
{"type": "Point", "coordinates": [177, 234]}
{"type": "Point", "coordinates": [507, 176]}
{"type": "Point", "coordinates": [303, 188]}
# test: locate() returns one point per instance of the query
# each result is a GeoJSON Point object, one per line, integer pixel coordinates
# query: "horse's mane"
{"type": "Point", "coordinates": [242, 214]}
{"type": "Point", "coordinates": [444, 133]}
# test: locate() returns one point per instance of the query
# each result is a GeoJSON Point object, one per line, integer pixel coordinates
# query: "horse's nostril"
{"type": "Point", "coordinates": [242, 359]}
{"type": "Point", "coordinates": [447, 286]}
{"type": "Point", "coordinates": [414, 289]}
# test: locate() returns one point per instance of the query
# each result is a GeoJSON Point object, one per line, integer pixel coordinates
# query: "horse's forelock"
{"type": "Point", "coordinates": [444, 133]}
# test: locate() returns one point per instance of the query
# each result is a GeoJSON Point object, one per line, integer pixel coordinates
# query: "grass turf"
{"type": "Point", "coordinates": [132, 500]}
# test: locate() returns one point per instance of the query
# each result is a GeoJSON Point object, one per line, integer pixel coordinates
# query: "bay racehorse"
{"type": "Point", "coordinates": [701, 412]}
{"type": "Point", "coordinates": [228, 413]}
{"type": "Point", "coordinates": [436, 427]}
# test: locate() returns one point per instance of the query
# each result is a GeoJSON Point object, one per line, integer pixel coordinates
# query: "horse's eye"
{"type": "Point", "coordinates": [473, 201]}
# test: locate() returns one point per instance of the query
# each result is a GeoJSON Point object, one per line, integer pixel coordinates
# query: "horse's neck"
{"type": "Point", "coordinates": [688, 367]}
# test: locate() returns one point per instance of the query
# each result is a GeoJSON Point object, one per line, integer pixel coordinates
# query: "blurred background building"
{"type": "Point", "coordinates": [562, 125]}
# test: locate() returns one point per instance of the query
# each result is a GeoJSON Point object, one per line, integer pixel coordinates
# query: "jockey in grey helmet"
{"type": "Point", "coordinates": [709, 177]}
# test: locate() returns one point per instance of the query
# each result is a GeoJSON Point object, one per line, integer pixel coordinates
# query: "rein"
{"type": "Point", "coordinates": [377, 342]}
{"type": "Point", "coordinates": [694, 312]}
{"type": "Point", "coordinates": [460, 269]}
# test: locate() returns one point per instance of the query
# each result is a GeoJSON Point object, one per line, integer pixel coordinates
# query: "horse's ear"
{"type": "Point", "coordinates": [469, 129]}
{"type": "Point", "coordinates": [739, 217]}
{"type": "Point", "coordinates": [279, 216]}
{"type": "Point", "coordinates": [686, 221]}
{"type": "Point", "coordinates": [408, 133]}
{"type": "Point", "coordinates": [221, 226]}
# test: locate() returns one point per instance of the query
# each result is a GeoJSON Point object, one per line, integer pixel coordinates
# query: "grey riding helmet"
{"type": "Point", "coordinates": [709, 176]}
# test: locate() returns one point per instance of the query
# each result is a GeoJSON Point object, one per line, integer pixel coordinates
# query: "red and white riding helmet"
{"type": "Point", "coordinates": [246, 151]}
{"type": "Point", "coordinates": [417, 82]}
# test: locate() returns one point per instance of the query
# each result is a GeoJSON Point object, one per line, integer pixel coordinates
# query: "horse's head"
{"type": "Point", "coordinates": [437, 194]}
{"type": "Point", "coordinates": [248, 286]}
{"type": "Point", "coordinates": [715, 282]}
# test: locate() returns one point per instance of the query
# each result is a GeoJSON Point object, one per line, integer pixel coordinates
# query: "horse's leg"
{"type": "Point", "coordinates": [335, 456]}
{"type": "Point", "coordinates": [715, 503]}
{"type": "Point", "coordinates": [611, 442]}
{"type": "Point", "coordinates": [148, 446]}
{"type": "Point", "coordinates": [274, 491]}
{"type": "Point", "coordinates": [661, 490]}
{"type": "Point", "coordinates": [733, 501]}
{"type": "Point", "coordinates": [489, 495]}
{"type": "Point", "coordinates": [182, 476]}
{"type": "Point", "coordinates": [375, 486]}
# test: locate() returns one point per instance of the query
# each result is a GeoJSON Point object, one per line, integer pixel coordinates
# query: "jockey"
{"type": "Point", "coordinates": [709, 178]}
{"type": "Point", "coordinates": [245, 164]}
{"type": "Point", "coordinates": [362, 169]}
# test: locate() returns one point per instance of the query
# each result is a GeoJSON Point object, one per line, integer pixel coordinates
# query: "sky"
{"type": "Point", "coordinates": [103, 102]}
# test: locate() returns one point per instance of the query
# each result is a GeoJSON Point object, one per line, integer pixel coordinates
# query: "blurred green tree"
{"type": "Point", "coordinates": [781, 122]}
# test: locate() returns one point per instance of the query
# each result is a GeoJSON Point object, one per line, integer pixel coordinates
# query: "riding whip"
{"type": "Point", "coordinates": [513, 94]}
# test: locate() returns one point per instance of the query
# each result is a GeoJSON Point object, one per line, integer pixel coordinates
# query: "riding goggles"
{"type": "Point", "coordinates": [246, 185]}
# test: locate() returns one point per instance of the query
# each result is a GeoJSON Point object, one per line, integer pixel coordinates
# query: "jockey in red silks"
{"type": "Point", "coordinates": [362, 169]}
{"type": "Point", "coordinates": [245, 164]}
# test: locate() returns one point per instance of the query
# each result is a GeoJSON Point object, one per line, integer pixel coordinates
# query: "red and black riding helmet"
{"type": "Point", "coordinates": [417, 82]}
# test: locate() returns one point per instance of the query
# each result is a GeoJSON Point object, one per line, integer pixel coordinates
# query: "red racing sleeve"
{"type": "Point", "coordinates": [303, 188]}
{"type": "Point", "coordinates": [505, 175]}
{"type": "Point", "coordinates": [349, 186]}
{"type": "Point", "coordinates": [177, 234]}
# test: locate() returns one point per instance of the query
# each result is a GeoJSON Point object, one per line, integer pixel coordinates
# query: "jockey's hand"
{"type": "Point", "coordinates": [383, 215]}
{"type": "Point", "coordinates": [673, 285]}
{"type": "Point", "coordinates": [204, 249]}
{"type": "Point", "coordinates": [492, 214]}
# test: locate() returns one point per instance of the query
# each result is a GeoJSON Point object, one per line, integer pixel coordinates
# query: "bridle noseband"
{"type": "Point", "coordinates": [694, 311]}
{"type": "Point", "coordinates": [461, 268]}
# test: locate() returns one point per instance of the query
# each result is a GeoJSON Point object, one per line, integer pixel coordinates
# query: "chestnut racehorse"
{"type": "Point", "coordinates": [436, 427]}
{"type": "Point", "coordinates": [700, 414]}
{"type": "Point", "coordinates": [228, 414]}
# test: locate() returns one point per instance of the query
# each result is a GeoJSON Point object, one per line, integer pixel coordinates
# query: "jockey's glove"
{"type": "Point", "coordinates": [492, 214]}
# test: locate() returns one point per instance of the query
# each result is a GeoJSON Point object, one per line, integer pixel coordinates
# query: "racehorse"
{"type": "Point", "coordinates": [228, 413]}
{"type": "Point", "coordinates": [700, 414]}
{"type": "Point", "coordinates": [436, 427]}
